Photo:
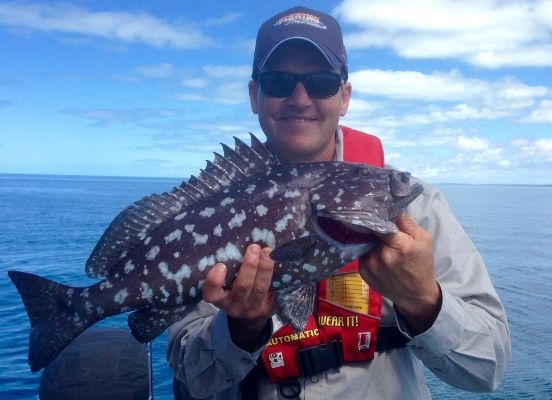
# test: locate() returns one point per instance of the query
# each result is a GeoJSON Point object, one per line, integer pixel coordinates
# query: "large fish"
{"type": "Point", "coordinates": [155, 254]}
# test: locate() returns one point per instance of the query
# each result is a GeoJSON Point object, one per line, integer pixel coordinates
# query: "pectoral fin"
{"type": "Point", "coordinates": [293, 250]}
{"type": "Point", "coordinates": [295, 305]}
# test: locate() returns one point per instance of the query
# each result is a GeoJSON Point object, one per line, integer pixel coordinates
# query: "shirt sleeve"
{"type": "Point", "coordinates": [468, 345]}
{"type": "Point", "coordinates": [204, 358]}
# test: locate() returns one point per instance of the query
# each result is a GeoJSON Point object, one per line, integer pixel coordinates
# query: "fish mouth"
{"type": "Point", "coordinates": [346, 233]}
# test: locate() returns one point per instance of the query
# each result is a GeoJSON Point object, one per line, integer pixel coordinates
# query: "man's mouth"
{"type": "Point", "coordinates": [298, 119]}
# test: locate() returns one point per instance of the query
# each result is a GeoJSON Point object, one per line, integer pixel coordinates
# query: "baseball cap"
{"type": "Point", "coordinates": [301, 23]}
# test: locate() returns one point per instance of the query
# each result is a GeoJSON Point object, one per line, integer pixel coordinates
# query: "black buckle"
{"type": "Point", "coordinates": [315, 360]}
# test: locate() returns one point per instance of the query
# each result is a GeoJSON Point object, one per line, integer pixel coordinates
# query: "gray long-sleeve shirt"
{"type": "Point", "coordinates": [468, 345]}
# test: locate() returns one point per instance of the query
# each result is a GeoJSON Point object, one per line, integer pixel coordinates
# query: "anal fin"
{"type": "Point", "coordinates": [149, 322]}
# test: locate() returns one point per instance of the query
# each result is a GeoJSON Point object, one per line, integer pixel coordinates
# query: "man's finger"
{"type": "Point", "coordinates": [263, 278]}
{"type": "Point", "coordinates": [406, 224]}
{"type": "Point", "coordinates": [212, 290]}
{"type": "Point", "coordinates": [248, 268]}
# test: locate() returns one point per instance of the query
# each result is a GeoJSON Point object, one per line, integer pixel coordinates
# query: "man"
{"type": "Point", "coordinates": [439, 306]}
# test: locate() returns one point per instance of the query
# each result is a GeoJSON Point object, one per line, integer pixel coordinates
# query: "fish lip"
{"type": "Point", "coordinates": [359, 222]}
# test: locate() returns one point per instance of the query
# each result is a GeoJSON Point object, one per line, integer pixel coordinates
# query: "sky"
{"type": "Point", "coordinates": [458, 91]}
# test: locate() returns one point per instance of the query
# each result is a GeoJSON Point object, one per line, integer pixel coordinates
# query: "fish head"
{"type": "Point", "coordinates": [356, 204]}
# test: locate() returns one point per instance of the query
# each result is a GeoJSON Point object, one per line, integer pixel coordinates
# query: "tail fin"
{"type": "Point", "coordinates": [53, 323]}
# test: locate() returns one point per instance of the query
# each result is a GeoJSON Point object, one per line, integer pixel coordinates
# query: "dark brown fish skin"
{"type": "Point", "coordinates": [161, 274]}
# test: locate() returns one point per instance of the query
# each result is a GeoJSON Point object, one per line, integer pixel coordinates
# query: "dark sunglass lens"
{"type": "Point", "coordinates": [322, 84]}
{"type": "Point", "coordinates": [277, 84]}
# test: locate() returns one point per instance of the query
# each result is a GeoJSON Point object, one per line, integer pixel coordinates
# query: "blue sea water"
{"type": "Point", "coordinates": [49, 225]}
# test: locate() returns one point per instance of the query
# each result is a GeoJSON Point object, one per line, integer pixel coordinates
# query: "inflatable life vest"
{"type": "Point", "coordinates": [346, 324]}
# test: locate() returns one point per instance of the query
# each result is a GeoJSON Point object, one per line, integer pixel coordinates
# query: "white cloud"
{"type": "Point", "coordinates": [442, 86]}
{"type": "Point", "coordinates": [540, 149]}
{"type": "Point", "coordinates": [228, 71]}
{"type": "Point", "coordinates": [196, 83]}
{"type": "Point", "coordinates": [160, 71]}
{"type": "Point", "coordinates": [488, 33]}
{"type": "Point", "coordinates": [472, 143]}
{"type": "Point", "coordinates": [128, 27]}
{"type": "Point", "coordinates": [224, 20]}
{"type": "Point", "coordinates": [542, 114]}
{"type": "Point", "coordinates": [449, 96]}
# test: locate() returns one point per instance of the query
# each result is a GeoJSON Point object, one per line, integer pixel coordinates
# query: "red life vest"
{"type": "Point", "coordinates": [348, 312]}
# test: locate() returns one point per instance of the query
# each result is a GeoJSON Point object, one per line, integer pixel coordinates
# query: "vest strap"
{"type": "Point", "coordinates": [317, 359]}
{"type": "Point", "coordinates": [389, 338]}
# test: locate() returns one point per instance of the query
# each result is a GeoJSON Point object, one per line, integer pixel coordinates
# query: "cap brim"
{"type": "Point", "coordinates": [328, 55]}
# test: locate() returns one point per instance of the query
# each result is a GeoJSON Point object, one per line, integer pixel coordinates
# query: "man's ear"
{"type": "Point", "coordinates": [253, 96]}
{"type": "Point", "coordinates": [346, 91]}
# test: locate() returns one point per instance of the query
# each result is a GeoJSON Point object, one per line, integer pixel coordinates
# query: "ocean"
{"type": "Point", "coordinates": [50, 224]}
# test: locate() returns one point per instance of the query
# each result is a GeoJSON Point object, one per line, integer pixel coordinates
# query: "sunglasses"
{"type": "Point", "coordinates": [319, 85]}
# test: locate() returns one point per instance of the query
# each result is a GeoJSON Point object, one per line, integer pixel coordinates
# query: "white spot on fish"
{"type": "Point", "coordinates": [123, 255]}
{"type": "Point", "coordinates": [88, 306]}
{"type": "Point", "coordinates": [205, 262]}
{"type": "Point", "coordinates": [286, 278]}
{"type": "Point", "coordinates": [152, 253]}
{"type": "Point", "coordinates": [189, 228]}
{"type": "Point", "coordinates": [200, 239]}
{"type": "Point", "coordinates": [180, 216]}
{"type": "Point", "coordinates": [146, 270]}
{"type": "Point", "coordinates": [264, 235]}
{"type": "Point", "coordinates": [207, 212]}
{"type": "Point", "coordinates": [276, 284]}
{"type": "Point", "coordinates": [250, 189]}
{"type": "Point", "coordinates": [185, 271]}
{"type": "Point", "coordinates": [129, 266]}
{"type": "Point", "coordinates": [290, 194]}
{"type": "Point", "coordinates": [237, 220]}
{"type": "Point", "coordinates": [261, 210]}
{"type": "Point", "coordinates": [100, 311]}
{"type": "Point", "coordinates": [85, 293]}
{"type": "Point", "coordinates": [282, 223]}
{"type": "Point", "coordinates": [121, 296]}
{"type": "Point", "coordinates": [229, 252]}
{"type": "Point", "coordinates": [147, 240]}
{"type": "Point", "coordinates": [272, 191]}
{"type": "Point", "coordinates": [105, 285]}
{"type": "Point", "coordinates": [174, 235]}
{"type": "Point", "coordinates": [177, 254]}
{"type": "Point", "coordinates": [146, 291]}
{"type": "Point", "coordinates": [293, 172]}
{"type": "Point", "coordinates": [217, 231]}
{"type": "Point", "coordinates": [193, 292]}
{"type": "Point", "coordinates": [165, 294]}
{"type": "Point", "coordinates": [320, 207]}
{"type": "Point", "coordinates": [337, 198]}
{"type": "Point", "coordinates": [226, 201]}
{"type": "Point", "coordinates": [315, 197]}
{"type": "Point", "coordinates": [309, 268]}
{"type": "Point", "coordinates": [70, 292]}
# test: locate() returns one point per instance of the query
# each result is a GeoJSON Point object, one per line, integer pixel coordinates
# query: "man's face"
{"type": "Point", "coordinates": [299, 128]}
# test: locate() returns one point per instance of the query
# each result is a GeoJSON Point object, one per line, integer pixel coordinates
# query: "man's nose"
{"type": "Point", "coordinates": [300, 96]}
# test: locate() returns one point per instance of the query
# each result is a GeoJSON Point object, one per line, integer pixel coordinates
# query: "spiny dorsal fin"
{"type": "Point", "coordinates": [139, 220]}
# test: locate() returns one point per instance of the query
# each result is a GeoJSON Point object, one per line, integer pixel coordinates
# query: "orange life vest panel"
{"type": "Point", "coordinates": [348, 312]}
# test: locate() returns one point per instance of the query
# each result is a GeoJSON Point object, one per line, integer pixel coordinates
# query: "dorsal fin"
{"type": "Point", "coordinates": [136, 223]}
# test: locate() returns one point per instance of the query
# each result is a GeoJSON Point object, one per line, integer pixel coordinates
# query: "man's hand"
{"type": "Point", "coordinates": [402, 269]}
{"type": "Point", "coordinates": [249, 303]}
